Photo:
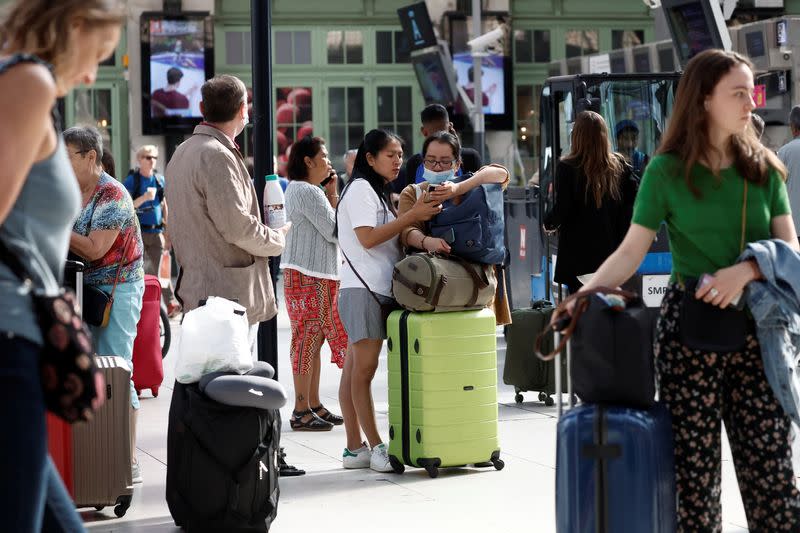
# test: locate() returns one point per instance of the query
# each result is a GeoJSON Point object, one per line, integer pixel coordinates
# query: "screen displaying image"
{"type": "Point", "coordinates": [177, 67]}
{"type": "Point", "coordinates": [755, 43]}
{"type": "Point", "coordinates": [492, 81]}
{"type": "Point", "coordinates": [691, 29]}
{"type": "Point", "coordinates": [432, 79]}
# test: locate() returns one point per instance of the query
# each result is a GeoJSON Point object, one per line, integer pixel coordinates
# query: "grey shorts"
{"type": "Point", "coordinates": [361, 314]}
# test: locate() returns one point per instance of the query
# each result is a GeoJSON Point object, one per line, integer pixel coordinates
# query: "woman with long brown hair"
{"type": "Point", "coordinates": [47, 48]}
{"type": "Point", "coordinates": [594, 193]}
{"type": "Point", "coordinates": [717, 188]}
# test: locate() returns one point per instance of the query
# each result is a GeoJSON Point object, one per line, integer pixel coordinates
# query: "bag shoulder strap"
{"type": "Point", "coordinates": [744, 217]}
{"type": "Point", "coordinates": [359, 277]}
{"type": "Point", "coordinates": [119, 267]}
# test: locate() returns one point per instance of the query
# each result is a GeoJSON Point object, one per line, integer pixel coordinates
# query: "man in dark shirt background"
{"type": "Point", "coordinates": [434, 118]}
{"type": "Point", "coordinates": [169, 97]}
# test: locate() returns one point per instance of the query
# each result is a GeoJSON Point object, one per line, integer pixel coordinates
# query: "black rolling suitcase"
{"type": "Point", "coordinates": [222, 472]}
{"type": "Point", "coordinates": [522, 368]}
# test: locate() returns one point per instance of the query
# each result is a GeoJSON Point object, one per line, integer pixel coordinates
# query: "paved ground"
{"type": "Point", "coordinates": [518, 498]}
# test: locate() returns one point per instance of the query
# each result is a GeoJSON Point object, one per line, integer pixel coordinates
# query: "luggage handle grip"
{"type": "Point", "coordinates": [562, 321]}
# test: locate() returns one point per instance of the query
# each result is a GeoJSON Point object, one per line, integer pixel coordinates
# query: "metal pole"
{"type": "Point", "coordinates": [261, 31]}
{"type": "Point", "coordinates": [477, 85]}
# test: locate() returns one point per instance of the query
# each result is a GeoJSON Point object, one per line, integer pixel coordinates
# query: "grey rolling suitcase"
{"type": "Point", "coordinates": [102, 447]}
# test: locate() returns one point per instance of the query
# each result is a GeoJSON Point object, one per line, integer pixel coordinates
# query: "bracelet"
{"type": "Point", "coordinates": [332, 195]}
{"type": "Point", "coordinates": [422, 244]}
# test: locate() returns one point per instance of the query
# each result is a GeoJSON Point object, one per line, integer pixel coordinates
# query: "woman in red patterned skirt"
{"type": "Point", "coordinates": [311, 280]}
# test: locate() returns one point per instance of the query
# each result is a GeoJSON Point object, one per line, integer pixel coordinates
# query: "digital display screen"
{"type": "Point", "coordinates": [492, 80]}
{"type": "Point", "coordinates": [755, 43]}
{"type": "Point", "coordinates": [177, 67]}
{"type": "Point", "coordinates": [666, 59]}
{"type": "Point", "coordinates": [433, 79]}
{"type": "Point", "coordinates": [617, 61]}
{"type": "Point", "coordinates": [691, 29]}
{"type": "Point", "coordinates": [416, 23]}
{"type": "Point", "coordinates": [641, 61]}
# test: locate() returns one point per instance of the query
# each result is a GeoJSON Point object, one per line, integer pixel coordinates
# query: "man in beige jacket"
{"type": "Point", "coordinates": [220, 241]}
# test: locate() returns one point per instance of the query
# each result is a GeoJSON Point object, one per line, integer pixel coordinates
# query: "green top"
{"type": "Point", "coordinates": [705, 234]}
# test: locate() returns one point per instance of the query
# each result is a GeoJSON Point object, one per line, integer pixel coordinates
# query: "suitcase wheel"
{"type": "Point", "coordinates": [123, 504]}
{"type": "Point", "coordinates": [397, 466]}
{"type": "Point", "coordinates": [431, 466]}
{"type": "Point", "coordinates": [546, 398]}
{"type": "Point", "coordinates": [99, 507]}
{"type": "Point", "coordinates": [154, 390]}
{"type": "Point", "coordinates": [497, 462]}
{"type": "Point", "coordinates": [518, 398]}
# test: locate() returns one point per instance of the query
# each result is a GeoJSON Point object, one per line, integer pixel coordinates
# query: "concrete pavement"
{"type": "Point", "coordinates": [328, 498]}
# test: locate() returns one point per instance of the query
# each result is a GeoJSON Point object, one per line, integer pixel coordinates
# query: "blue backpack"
{"type": "Point", "coordinates": [475, 228]}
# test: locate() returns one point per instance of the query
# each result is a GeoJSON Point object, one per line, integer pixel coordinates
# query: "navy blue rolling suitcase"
{"type": "Point", "coordinates": [614, 471]}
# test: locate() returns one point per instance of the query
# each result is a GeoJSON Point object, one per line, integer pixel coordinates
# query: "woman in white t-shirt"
{"type": "Point", "coordinates": [368, 227]}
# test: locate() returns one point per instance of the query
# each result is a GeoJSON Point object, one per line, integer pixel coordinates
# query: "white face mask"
{"type": "Point", "coordinates": [435, 178]}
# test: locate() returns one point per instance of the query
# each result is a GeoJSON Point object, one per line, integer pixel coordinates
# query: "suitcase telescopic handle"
{"type": "Point", "coordinates": [77, 266]}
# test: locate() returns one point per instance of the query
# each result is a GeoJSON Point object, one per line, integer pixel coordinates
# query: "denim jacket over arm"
{"type": "Point", "coordinates": [774, 303]}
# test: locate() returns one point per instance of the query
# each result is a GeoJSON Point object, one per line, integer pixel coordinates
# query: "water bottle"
{"type": "Point", "coordinates": [274, 213]}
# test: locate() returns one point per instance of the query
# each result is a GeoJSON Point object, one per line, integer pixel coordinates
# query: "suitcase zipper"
{"type": "Point", "coordinates": [404, 386]}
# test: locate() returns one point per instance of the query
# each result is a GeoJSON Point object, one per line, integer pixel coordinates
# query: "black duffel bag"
{"type": "Point", "coordinates": [222, 470]}
{"type": "Point", "coordinates": [611, 348]}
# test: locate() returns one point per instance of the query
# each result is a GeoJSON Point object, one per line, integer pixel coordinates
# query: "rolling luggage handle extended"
{"type": "Point", "coordinates": [78, 267]}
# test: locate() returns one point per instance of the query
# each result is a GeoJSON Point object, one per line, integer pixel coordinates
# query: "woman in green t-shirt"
{"type": "Point", "coordinates": [716, 187]}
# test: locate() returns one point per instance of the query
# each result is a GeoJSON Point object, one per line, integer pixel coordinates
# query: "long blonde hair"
{"type": "Point", "coordinates": [687, 134]}
{"type": "Point", "coordinates": [591, 151]}
{"type": "Point", "coordinates": [40, 27]}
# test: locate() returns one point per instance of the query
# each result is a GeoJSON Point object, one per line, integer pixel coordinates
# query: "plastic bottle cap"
{"type": "Point", "coordinates": [271, 177]}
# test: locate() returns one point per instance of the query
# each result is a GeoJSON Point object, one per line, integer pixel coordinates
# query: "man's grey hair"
{"type": "Point", "coordinates": [85, 138]}
{"type": "Point", "coordinates": [352, 152]}
{"type": "Point", "coordinates": [794, 118]}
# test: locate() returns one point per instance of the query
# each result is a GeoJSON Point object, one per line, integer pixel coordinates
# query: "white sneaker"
{"type": "Point", "coordinates": [359, 458]}
{"type": "Point", "coordinates": [379, 461]}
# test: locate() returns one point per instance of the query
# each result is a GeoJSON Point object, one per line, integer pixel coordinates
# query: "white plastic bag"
{"type": "Point", "coordinates": [214, 337]}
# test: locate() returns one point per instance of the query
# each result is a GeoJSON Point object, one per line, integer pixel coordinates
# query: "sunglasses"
{"type": "Point", "coordinates": [150, 157]}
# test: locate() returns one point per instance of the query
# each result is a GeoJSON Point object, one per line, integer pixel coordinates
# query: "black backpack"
{"type": "Point", "coordinates": [222, 472]}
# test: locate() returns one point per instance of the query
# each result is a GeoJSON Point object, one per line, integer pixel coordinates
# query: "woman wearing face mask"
{"type": "Point", "coordinates": [48, 48]}
{"type": "Point", "coordinates": [441, 157]}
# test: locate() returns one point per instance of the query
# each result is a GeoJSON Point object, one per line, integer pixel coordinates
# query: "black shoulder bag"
{"type": "Point", "coordinates": [707, 327]}
{"type": "Point", "coordinates": [67, 369]}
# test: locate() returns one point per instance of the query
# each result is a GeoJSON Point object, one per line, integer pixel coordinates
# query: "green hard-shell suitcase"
{"type": "Point", "coordinates": [442, 390]}
{"type": "Point", "coordinates": [522, 368]}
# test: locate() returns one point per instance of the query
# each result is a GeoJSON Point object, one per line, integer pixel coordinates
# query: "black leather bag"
{"type": "Point", "coordinates": [612, 349]}
{"type": "Point", "coordinates": [709, 328]}
{"type": "Point", "coordinates": [222, 472]}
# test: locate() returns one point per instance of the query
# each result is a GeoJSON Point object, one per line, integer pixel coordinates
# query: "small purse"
{"type": "Point", "coordinates": [69, 377]}
{"type": "Point", "coordinates": [707, 327]}
{"type": "Point", "coordinates": [97, 303]}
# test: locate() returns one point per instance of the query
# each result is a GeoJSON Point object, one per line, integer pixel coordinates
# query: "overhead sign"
{"type": "Point", "coordinates": [417, 26]}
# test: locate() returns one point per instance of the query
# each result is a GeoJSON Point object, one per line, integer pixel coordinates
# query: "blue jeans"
{"type": "Point", "coordinates": [32, 496]}
{"type": "Point", "coordinates": [118, 336]}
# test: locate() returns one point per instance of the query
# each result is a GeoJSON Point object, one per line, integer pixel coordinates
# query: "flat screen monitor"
{"type": "Point", "coordinates": [433, 78]}
{"type": "Point", "coordinates": [416, 23]}
{"type": "Point", "coordinates": [695, 25]}
{"type": "Point", "coordinates": [641, 61]}
{"type": "Point", "coordinates": [666, 59]}
{"type": "Point", "coordinates": [754, 40]}
{"type": "Point", "coordinates": [617, 60]}
{"type": "Point", "coordinates": [495, 84]}
{"type": "Point", "coordinates": [177, 58]}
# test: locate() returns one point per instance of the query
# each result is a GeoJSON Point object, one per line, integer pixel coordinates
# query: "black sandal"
{"type": "Point", "coordinates": [314, 423]}
{"type": "Point", "coordinates": [336, 420]}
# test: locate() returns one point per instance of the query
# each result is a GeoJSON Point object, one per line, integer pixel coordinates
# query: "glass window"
{"type": "Point", "coordinates": [291, 48]}
{"type": "Point", "coordinates": [402, 50]}
{"type": "Point", "coordinates": [346, 118]}
{"type": "Point", "coordinates": [293, 120]}
{"type": "Point", "coordinates": [237, 47]}
{"type": "Point", "coordinates": [581, 43]}
{"type": "Point", "coordinates": [626, 38]}
{"type": "Point", "coordinates": [541, 46]}
{"type": "Point", "coordinates": [394, 113]}
{"type": "Point", "coordinates": [528, 127]}
{"type": "Point", "coordinates": [92, 107]}
{"type": "Point", "coordinates": [523, 46]}
{"type": "Point", "coordinates": [383, 47]}
{"type": "Point", "coordinates": [345, 47]}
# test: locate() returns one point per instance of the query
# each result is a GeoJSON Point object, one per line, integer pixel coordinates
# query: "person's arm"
{"type": "Point", "coordinates": [564, 197]}
{"type": "Point", "coordinates": [369, 236]}
{"type": "Point", "coordinates": [320, 213]}
{"type": "Point", "coordinates": [146, 197]}
{"type": "Point", "coordinates": [229, 208]}
{"type": "Point", "coordinates": [95, 245]}
{"type": "Point", "coordinates": [486, 175]}
{"type": "Point", "coordinates": [28, 95]}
